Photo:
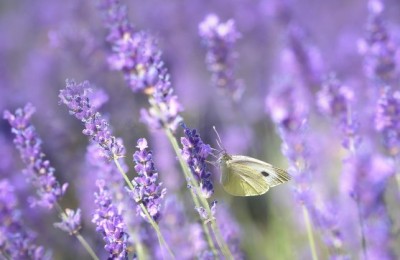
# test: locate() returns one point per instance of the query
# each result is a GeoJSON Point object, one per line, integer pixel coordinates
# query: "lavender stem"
{"type": "Point", "coordinates": [144, 210]}
{"type": "Point", "coordinates": [310, 234]}
{"type": "Point", "coordinates": [220, 241]}
{"type": "Point", "coordinates": [81, 239]}
{"type": "Point", "coordinates": [352, 150]}
{"type": "Point", "coordinates": [186, 172]}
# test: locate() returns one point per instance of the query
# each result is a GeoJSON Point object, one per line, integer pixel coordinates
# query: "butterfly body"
{"type": "Point", "coordinates": [247, 176]}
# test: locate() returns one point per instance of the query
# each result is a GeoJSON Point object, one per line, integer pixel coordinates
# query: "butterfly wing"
{"type": "Point", "coordinates": [272, 175]}
{"type": "Point", "coordinates": [246, 176]}
{"type": "Point", "coordinates": [240, 181]}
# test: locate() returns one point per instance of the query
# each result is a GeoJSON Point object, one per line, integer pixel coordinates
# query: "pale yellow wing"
{"type": "Point", "coordinates": [272, 175]}
{"type": "Point", "coordinates": [240, 181]}
{"type": "Point", "coordinates": [246, 176]}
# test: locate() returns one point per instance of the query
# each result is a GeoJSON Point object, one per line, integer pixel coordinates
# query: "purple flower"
{"type": "Point", "coordinates": [16, 240]}
{"type": "Point", "coordinates": [71, 222]}
{"type": "Point", "coordinates": [147, 190]}
{"type": "Point", "coordinates": [137, 55]}
{"type": "Point", "coordinates": [387, 119]}
{"type": "Point", "coordinates": [195, 152]}
{"type": "Point", "coordinates": [110, 223]}
{"type": "Point", "coordinates": [189, 241]}
{"type": "Point", "coordinates": [219, 39]}
{"type": "Point", "coordinates": [378, 48]}
{"type": "Point", "coordinates": [287, 106]}
{"type": "Point", "coordinates": [336, 100]}
{"type": "Point", "coordinates": [76, 97]}
{"type": "Point", "coordinates": [230, 231]}
{"type": "Point", "coordinates": [308, 61]}
{"type": "Point", "coordinates": [289, 111]}
{"type": "Point", "coordinates": [98, 167]}
{"type": "Point", "coordinates": [365, 179]}
{"type": "Point", "coordinates": [38, 168]}
{"type": "Point", "coordinates": [334, 97]}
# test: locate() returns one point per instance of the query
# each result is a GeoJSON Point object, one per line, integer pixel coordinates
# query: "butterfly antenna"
{"type": "Point", "coordinates": [212, 163]}
{"type": "Point", "coordinates": [219, 142]}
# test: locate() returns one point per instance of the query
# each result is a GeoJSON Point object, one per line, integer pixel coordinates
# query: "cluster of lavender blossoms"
{"type": "Point", "coordinates": [147, 190]}
{"type": "Point", "coordinates": [137, 56]}
{"type": "Point", "coordinates": [38, 168]}
{"type": "Point", "coordinates": [219, 39]}
{"type": "Point", "coordinates": [380, 54]}
{"type": "Point", "coordinates": [16, 239]}
{"type": "Point", "coordinates": [336, 112]}
{"type": "Point", "coordinates": [110, 223]}
{"type": "Point", "coordinates": [377, 47]}
{"type": "Point", "coordinates": [195, 152]}
{"type": "Point", "coordinates": [76, 97]}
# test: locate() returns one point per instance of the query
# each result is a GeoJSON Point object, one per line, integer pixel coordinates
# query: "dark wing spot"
{"type": "Point", "coordinates": [266, 174]}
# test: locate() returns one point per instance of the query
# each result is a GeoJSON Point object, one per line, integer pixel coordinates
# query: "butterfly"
{"type": "Point", "coordinates": [246, 176]}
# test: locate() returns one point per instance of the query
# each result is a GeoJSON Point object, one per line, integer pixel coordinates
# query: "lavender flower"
{"type": "Point", "coordinates": [147, 190]}
{"type": "Point", "coordinates": [16, 240]}
{"type": "Point", "coordinates": [289, 111]}
{"type": "Point", "coordinates": [230, 231]}
{"type": "Point", "coordinates": [110, 223]}
{"type": "Point", "coordinates": [378, 48]}
{"type": "Point", "coordinates": [71, 222]}
{"type": "Point", "coordinates": [76, 97]}
{"type": "Point", "coordinates": [195, 152]}
{"type": "Point", "coordinates": [387, 119]}
{"type": "Point", "coordinates": [189, 241]}
{"type": "Point", "coordinates": [336, 100]}
{"type": "Point", "coordinates": [219, 39]}
{"type": "Point", "coordinates": [98, 167]}
{"type": "Point", "coordinates": [365, 179]}
{"type": "Point", "coordinates": [38, 170]}
{"type": "Point", "coordinates": [306, 61]}
{"type": "Point", "coordinates": [136, 54]}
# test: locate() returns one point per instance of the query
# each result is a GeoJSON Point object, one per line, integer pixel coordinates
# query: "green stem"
{"type": "Point", "coordinates": [352, 149]}
{"type": "Point", "coordinates": [81, 239]}
{"type": "Point", "coordinates": [397, 166]}
{"type": "Point", "coordinates": [187, 174]}
{"type": "Point", "coordinates": [220, 241]}
{"type": "Point", "coordinates": [363, 240]}
{"type": "Point", "coordinates": [86, 245]}
{"type": "Point", "coordinates": [309, 233]}
{"type": "Point", "coordinates": [5, 255]}
{"type": "Point", "coordinates": [155, 226]}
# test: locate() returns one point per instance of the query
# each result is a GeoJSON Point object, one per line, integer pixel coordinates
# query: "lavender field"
{"type": "Point", "coordinates": [107, 140]}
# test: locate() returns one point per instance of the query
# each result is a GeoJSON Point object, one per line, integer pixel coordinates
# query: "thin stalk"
{"type": "Point", "coordinates": [86, 245]}
{"type": "Point", "coordinates": [187, 173]}
{"type": "Point", "coordinates": [397, 167]}
{"type": "Point", "coordinates": [140, 249]}
{"type": "Point", "coordinates": [81, 239]}
{"type": "Point", "coordinates": [155, 226]}
{"type": "Point", "coordinates": [5, 255]}
{"type": "Point", "coordinates": [309, 233]}
{"type": "Point", "coordinates": [352, 149]}
{"type": "Point", "coordinates": [363, 240]}
{"type": "Point", "coordinates": [220, 241]}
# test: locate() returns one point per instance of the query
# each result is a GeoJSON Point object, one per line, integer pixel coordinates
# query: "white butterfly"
{"type": "Point", "coordinates": [247, 176]}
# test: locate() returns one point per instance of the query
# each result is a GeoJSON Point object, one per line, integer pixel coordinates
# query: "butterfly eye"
{"type": "Point", "coordinates": [266, 174]}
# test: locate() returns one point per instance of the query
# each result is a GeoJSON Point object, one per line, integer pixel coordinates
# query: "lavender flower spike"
{"type": "Point", "coordinates": [38, 169]}
{"type": "Point", "coordinates": [378, 49]}
{"type": "Point", "coordinates": [16, 241]}
{"type": "Point", "coordinates": [146, 188]}
{"type": "Point", "coordinates": [76, 97]}
{"type": "Point", "coordinates": [110, 223]}
{"type": "Point", "coordinates": [137, 56]}
{"type": "Point", "coordinates": [195, 152]}
{"type": "Point", "coordinates": [219, 39]}
{"type": "Point", "coordinates": [71, 221]}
